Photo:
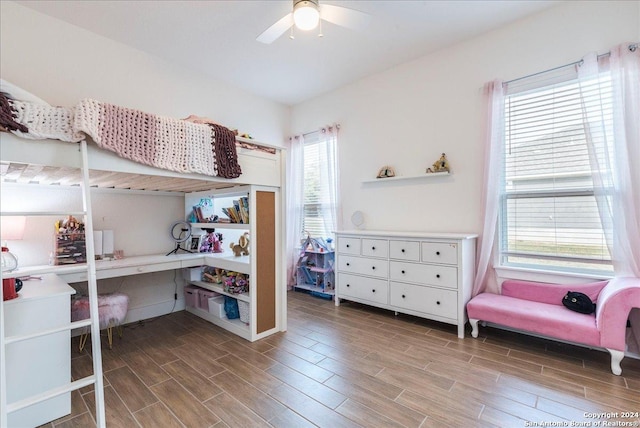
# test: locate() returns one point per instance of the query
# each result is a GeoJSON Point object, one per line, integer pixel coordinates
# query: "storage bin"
{"type": "Point", "coordinates": [216, 306]}
{"type": "Point", "coordinates": [191, 296]}
{"type": "Point", "coordinates": [245, 311]}
{"type": "Point", "coordinates": [192, 274]}
{"type": "Point", "coordinates": [203, 298]}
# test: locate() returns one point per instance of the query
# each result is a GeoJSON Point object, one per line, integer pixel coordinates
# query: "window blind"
{"type": "Point", "coordinates": [549, 215]}
{"type": "Point", "coordinates": [316, 188]}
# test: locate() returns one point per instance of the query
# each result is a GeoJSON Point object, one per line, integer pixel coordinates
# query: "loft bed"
{"type": "Point", "coordinates": [127, 149]}
{"type": "Point", "coordinates": [57, 162]}
{"type": "Point", "coordinates": [43, 148]}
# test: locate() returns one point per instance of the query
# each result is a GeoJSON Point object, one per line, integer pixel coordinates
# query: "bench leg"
{"type": "Point", "coordinates": [616, 359]}
{"type": "Point", "coordinates": [474, 327]}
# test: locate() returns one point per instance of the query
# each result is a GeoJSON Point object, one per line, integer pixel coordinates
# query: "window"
{"type": "Point", "coordinates": [317, 205]}
{"type": "Point", "coordinates": [549, 217]}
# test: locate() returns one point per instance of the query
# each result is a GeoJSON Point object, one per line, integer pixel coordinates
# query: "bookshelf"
{"type": "Point", "coordinates": [260, 218]}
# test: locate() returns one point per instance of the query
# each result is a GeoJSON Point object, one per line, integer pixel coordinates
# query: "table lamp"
{"type": "Point", "coordinates": [11, 229]}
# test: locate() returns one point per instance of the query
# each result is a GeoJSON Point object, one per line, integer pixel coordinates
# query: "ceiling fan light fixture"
{"type": "Point", "coordinates": [306, 14]}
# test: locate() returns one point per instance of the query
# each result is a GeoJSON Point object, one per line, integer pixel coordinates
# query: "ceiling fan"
{"type": "Point", "coordinates": [307, 14]}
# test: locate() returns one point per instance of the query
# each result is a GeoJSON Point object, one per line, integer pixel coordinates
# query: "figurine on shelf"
{"type": "Point", "coordinates": [441, 165]}
{"type": "Point", "coordinates": [242, 247]}
{"type": "Point", "coordinates": [69, 225]}
{"type": "Point", "coordinates": [386, 172]}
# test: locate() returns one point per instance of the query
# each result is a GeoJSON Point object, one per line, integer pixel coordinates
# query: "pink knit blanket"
{"type": "Point", "coordinates": [163, 142]}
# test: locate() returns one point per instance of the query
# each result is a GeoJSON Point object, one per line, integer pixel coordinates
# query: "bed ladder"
{"type": "Point", "coordinates": [96, 378]}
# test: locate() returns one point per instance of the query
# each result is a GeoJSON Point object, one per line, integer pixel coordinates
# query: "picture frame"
{"type": "Point", "coordinates": [194, 243]}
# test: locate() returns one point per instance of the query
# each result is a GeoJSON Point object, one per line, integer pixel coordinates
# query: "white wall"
{"type": "Point", "coordinates": [140, 220]}
{"type": "Point", "coordinates": [63, 64]}
{"type": "Point", "coordinates": [405, 117]}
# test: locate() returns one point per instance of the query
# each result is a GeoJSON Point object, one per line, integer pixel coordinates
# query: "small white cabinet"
{"type": "Point", "coordinates": [43, 363]}
{"type": "Point", "coordinates": [428, 275]}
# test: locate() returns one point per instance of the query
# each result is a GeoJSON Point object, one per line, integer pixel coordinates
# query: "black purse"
{"type": "Point", "coordinates": [578, 302]}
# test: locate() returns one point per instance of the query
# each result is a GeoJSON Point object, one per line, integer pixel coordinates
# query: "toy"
{"type": "Point", "coordinates": [235, 282]}
{"type": "Point", "coordinates": [385, 172]}
{"type": "Point", "coordinates": [212, 242]}
{"type": "Point", "coordinates": [242, 247]}
{"type": "Point", "coordinates": [213, 274]}
{"type": "Point", "coordinates": [69, 225]}
{"type": "Point", "coordinates": [441, 165]}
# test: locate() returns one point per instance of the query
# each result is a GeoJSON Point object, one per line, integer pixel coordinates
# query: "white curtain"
{"type": "Point", "coordinates": [493, 181]}
{"type": "Point", "coordinates": [615, 150]}
{"type": "Point", "coordinates": [331, 211]}
{"type": "Point", "coordinates": [294, 205]}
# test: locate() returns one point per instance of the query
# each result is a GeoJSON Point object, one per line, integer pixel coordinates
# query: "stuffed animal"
{"type": "Point", "coordinates": [212, 242]}
{"type": "Point", "coordinates": [242, 247]}
{"type": "Point", "coordinates": [441, 165]}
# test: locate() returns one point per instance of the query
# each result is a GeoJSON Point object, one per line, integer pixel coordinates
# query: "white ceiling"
{"type": "Point", "coordinates": [218, 37]}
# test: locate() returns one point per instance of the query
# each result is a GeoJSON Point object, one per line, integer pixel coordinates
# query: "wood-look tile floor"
{"type": "Point", "coordinates": [345, 367]}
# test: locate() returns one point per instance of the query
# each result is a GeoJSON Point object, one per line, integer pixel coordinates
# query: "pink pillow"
{"type": "Point", "coordinates": [549, 293]}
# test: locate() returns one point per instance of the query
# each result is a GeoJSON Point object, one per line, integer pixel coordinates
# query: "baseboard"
{"type": "Point", "coordinates": [146, 312]}
{"type": "Point", "coordinates": [154, 310]}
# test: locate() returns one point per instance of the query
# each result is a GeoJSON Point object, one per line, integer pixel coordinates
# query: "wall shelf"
{"type": "Point", "coordinates": [407, 177]}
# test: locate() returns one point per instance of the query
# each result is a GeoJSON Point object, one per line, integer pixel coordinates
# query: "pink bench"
{"type": "Point", "coordinates": [537, 308]}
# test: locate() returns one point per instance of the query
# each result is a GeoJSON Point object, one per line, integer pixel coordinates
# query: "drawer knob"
{"type": "Point", "coordinates": [374, 290]}
{"type": "Point", "coordinates": [438, 302]}
{"type": "Point", "coordinates": [348, 285]}
{"type": "Point", "coordinates": [403, 296]}
{"type": "Point", "coordinates": [373, 248]}
{"type": "Point", "coordinates": [347, 245]}
{"type": "Point", "coordinates": [373, 267]}
{"type": "Point", "coordinates": [348, 264]}
{"type": "Point", "coordinates": [438, 276]}
{"type": "Point", "coordinates": [402, 250]}
{"type": "Point", "coordinates": [402, 272]}
{"type": "Point", "coordinates": [437, 253]}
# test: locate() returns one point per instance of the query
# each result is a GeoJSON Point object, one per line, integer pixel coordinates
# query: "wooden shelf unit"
{"type": "Point", "coordinates": [263, 264]}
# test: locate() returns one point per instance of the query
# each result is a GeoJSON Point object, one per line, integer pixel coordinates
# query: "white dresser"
{"type": "Point", "coordinates": [43, 363]}
{"type": "Point", "coordinates": [428, 275]}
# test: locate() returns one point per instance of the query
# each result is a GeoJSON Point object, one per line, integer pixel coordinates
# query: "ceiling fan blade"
{"type": "Point", "coordinates": [344, 17]}
{"type": "Point", "coordinates": [276, 30]}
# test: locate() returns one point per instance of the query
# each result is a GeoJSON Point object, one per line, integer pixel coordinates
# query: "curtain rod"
{"type": "Point", "coordinates": [337, 125]}
{"type": "Point", "coordinates": [632, 47]}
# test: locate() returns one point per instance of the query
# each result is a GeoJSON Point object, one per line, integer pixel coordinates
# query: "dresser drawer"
{"type": "Point", "coordinates": [434, 301]}
{"type": "Point", "coordinates": [363, 266]}
{"type": "Point", "coordinates": [371, 289]}
{"type": "Point", "coordinates": [442, 276]}
{"type": "Point", "coordinates": [349, 245]}
{"type": "Point", "coordinates": [440, 252]}
{"type": "Point", "coordinates": [404, 250]}
{"type": "Point", "coordinates": [375, 248]}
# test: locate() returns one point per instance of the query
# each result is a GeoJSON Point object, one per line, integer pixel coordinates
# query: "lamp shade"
{"type": "Point", "coordinates": [12, 227]}
{"type": "Point", "coordinates": [306, 15]}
